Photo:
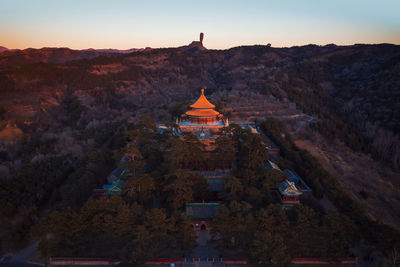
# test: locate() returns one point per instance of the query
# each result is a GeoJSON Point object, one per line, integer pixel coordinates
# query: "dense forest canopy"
{"type": "Point", "coordinates": [75, 118]}
{"type": "Point", "coordinates": [147, 221]}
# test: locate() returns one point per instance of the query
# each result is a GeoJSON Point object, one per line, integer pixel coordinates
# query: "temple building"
{"type": "Point", "coordinates": [289, 193]}
{"type": "Point", "coordinates": [206, 123]}
{"type": "Point", "coordinates": [201, 214]}
{"type": "Point", "coordinates": [202, 120]}
{"type": "Point", "coordinates": [298, 182]}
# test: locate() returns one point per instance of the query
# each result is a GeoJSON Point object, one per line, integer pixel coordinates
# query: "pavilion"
{"type": "Point", "coordinates": [202, 120]}
{"type": "Point", "coordinates": [289, 194]}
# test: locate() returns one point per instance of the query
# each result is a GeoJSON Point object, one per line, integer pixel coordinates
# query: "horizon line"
{"type": "Point", "coordinates": [171, 47]}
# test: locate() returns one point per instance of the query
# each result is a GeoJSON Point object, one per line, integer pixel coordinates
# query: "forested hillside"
{"type": "Point", "coordinates": [353, 90]}
{"type": "Point", "coordinates": [63, 113]}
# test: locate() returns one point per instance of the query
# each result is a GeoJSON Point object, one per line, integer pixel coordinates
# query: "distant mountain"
{"type": "Point", "coordinates": [2, 49]}
{"type": "Point", "coordinates": [110, 50]}
{"type": "Point", "coordinates": [16, 57]}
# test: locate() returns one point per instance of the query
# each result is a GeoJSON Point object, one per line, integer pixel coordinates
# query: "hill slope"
{"type": "Point", "coordinates": [350, 94]}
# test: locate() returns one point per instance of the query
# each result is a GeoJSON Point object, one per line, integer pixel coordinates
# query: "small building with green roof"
{"type": "Point", "coordinates": [200, 214]}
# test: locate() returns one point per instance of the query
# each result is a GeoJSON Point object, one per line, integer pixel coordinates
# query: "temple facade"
{"type": "Point", "coordinates": [289, 194]}
{"type": "Point", "coordinates": [202, 120]}
{"type": "Point", "coordinates": [201, 214]}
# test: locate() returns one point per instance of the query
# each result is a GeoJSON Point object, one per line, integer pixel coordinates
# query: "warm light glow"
{"type": "Point", "coordinates": [226, 23]}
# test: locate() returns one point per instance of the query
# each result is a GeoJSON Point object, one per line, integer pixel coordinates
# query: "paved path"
{"type": "Point", "coordinates": [26, 253]}
{"type": "Point", "coordinates": [21, 258]}
{"type": "Point", "coordinates": [19, 264]}
{"type": "Point", "coordinates": [302, 123]}
{"type": "Point", "coordinates": [203, 249]}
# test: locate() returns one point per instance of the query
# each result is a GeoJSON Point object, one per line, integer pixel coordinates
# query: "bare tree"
{"type": "Point", "coordinates": [394, 257]}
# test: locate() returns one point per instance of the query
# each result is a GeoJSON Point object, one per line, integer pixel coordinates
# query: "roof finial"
{"type": "Point", "coordinates": [202, 91]}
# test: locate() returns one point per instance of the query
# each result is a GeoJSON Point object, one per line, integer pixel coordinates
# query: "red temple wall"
{"type": "Point", "coordinates": [288, 198]}
{"type": "Point", "coordinates": [202, 120]}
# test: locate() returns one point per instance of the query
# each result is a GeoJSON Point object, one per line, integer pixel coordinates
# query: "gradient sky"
{"type": "Point", "coordinates": [120, 24]}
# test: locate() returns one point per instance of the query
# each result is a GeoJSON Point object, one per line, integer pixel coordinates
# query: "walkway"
{"type": "Point", "coordinates": [302, 124]}
{"type": "Point", "coordinates": [203, 251]}
{"type": "Point", "coordinates": [21, 258]}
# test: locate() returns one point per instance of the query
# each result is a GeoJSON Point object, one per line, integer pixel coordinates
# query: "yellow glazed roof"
{"type": "Point", "coordinates": [202, 112]}
{"type": "Point", "coordinates": [202, 102]}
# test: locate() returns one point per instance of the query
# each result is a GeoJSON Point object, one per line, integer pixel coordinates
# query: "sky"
{"type": "Point", "coordinates": [123, 24]}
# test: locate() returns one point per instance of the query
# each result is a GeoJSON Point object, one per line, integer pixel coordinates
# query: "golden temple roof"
{"type": "Point", "coordinates": [202, 103]}
{"type": "Point", "coordinates": [202, 112]}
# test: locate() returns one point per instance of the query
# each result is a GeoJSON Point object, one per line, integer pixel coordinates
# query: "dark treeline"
{"type": "Point", "coordinates": [275, 234]}
{"type": "Point", "coordinates": [360, 111]}
{"type": "Point", "coordinates": [318, 102]}
{"type": "Point", "coordinates": [111, 227]}
{"type": "Point", "coordinates": [253, 223]}
{"type": "Point", "coordinates": [77, 73]}
{"type": "Point", "coordinates": [156, 189]}
{"type": "Point", "coordinates": [52, 183]}
{"type": "Point", "coordinates": [147, 219]}
{"type": "Point", "coordinates": [322, 183]}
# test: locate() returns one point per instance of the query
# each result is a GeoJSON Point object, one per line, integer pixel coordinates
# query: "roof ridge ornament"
{"type": "Point", "coordinates": [202, 102]}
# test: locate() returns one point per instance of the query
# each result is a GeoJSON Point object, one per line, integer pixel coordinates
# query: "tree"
{"type": "Point", "coordinates": [179, 191]}
{"type": "Point", "coordinates": [135, 162]}
{"type": "Point", "coordinates": [73, 108]}
{"type": "Point", "coordinates": [159, 227]}
{"type": "Point", "coordinates": [225, 151]}
{"type": "Point", "coordinates": [233, 226]}
{"type": "Point", "coordinates": [222, 229]}
{"type": "Point", "coordinates": [233, 189]}
{"type": "Point", "coordinates": [147, 123]}
{"type": "Point", "coordinates": [200, 187]}
{"type": "Point", "coordinates": [183, 232]}
{"type": "Point", "coordinates": [58, 232]}
{"type": "Point", "coordinates": [250, 177]}
{"type": "Point", "coordinates": [304, 235]}
{"type": "Point", "coordinates": [34, 184]}
{"type": "Point", "coordinates": [338, 234]}
{"type": "Point", "coordinates": [271, 178]}
{"type": "Point", "coordinates": [195, 152]}
{"type": "Point", "coordinates": [252, 151]}
{"type": "Point", "coordinates": [187, 153]}
{"type": "Point", "coordinates": [243, 224]}
{"type": "Point", "coordinates": [177, 155]}
{"type": "Point", "coordinates": [101, 227]}
{"type": "Point", "coordinates": [254, 195]}
{"type": "Point", "coordinates": [153, 156]}
{"type": "Point", "coordinates": [394, 257]}
{"type": "Point", "coordinates": [142, 250]}
{"type": "Point", "coordinates": [141, 188]}
{"type": "Point", "coordinates": [269, 248]}
{"type": "Point", "coordinates": [235, 131]}
{"type": "Point", "coordinates": [273, 218]}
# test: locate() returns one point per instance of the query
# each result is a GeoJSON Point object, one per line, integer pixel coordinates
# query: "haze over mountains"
{"type": "Point", "coordinates": [54, 54]}
{"type": "Point", "coordinates": [105, 50]}
{"type": "Point", "coordinates": [352, 92]}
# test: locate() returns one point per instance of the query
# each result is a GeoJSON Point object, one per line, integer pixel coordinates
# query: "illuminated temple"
{"type": "Point", "coordinates": [202, 120]}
